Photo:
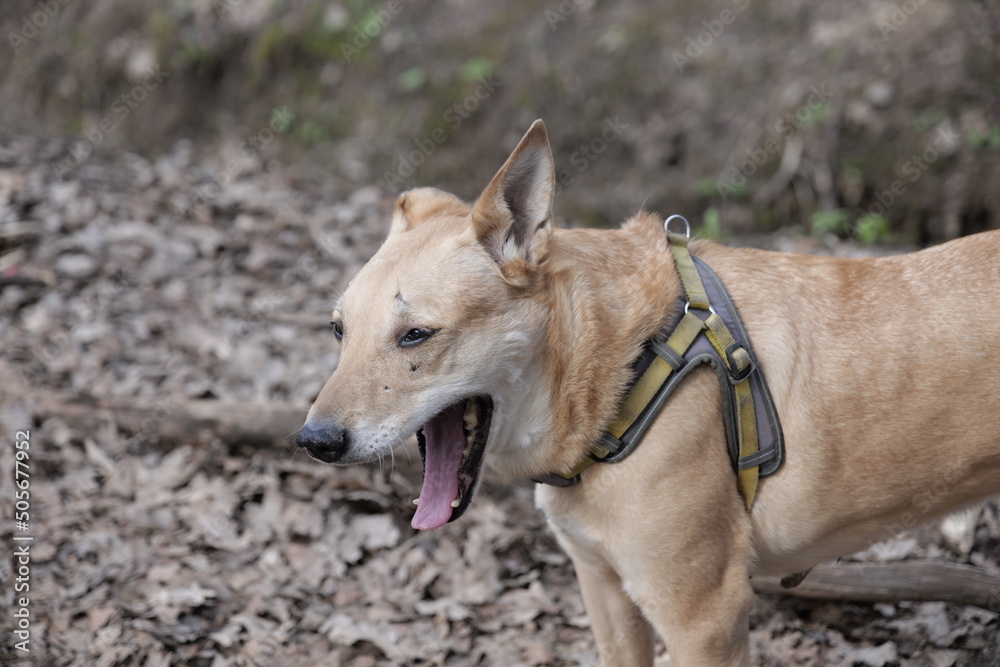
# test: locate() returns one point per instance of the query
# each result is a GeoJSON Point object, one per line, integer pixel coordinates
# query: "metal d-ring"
{"type": "Point", "coordinates": [687, 225]}
{"type": "Point", "coordinates": [687, 307]}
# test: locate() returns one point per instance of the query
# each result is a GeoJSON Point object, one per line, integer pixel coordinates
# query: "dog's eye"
{"type": "Point", "coordinates": [415, 337]}
{"type": "Point", "coordinates": [338, 330]}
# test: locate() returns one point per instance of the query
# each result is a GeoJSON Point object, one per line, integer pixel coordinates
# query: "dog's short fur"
{"type": "Point", "coordinates": [885, 373]}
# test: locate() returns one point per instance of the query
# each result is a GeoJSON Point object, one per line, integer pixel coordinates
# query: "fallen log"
{"type": "Point", "coordinates": [21, 281]}
{"type": "Point", "coordinates": [171, 421]}
{"type": "Point", "coordinates": [914, 581]}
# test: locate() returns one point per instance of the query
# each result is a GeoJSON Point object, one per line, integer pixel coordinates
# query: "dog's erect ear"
{"type": "Point", "coordinates": [512, 218]}
{"type": "Point", "coordinates": [414, 207]}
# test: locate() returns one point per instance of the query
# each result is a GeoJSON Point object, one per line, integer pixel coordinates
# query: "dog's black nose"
{"type": "Point", "coordinates": [324, 442]}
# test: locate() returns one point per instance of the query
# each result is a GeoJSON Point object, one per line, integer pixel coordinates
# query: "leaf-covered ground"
{"type": "Point", "coordinates": [211, 555]}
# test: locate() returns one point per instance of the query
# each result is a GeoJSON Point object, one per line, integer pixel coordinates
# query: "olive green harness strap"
{"type": "Point", "coordinates": [737, 359]}
{"type": "Point", "coordinates": [636, 400]}
{"type": "Point", "coordinates": [694, 290]}
{"type": "Point", "coordinates": [736, 365]}
{"type": "Point", "coordinates": [650, 382]}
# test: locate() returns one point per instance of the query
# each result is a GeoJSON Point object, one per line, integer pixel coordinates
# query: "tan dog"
{"type": "Point", "coordinates": [503, 339]}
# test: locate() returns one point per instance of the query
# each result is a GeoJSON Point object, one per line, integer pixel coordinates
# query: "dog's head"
{"type": "Point", "coordinates": [440, 334]}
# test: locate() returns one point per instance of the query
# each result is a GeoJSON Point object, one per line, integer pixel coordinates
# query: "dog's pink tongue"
{"type": "Point", "coordinates": [444, 441]}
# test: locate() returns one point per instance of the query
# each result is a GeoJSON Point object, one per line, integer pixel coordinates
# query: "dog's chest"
{"type": "Point", "coordinates": [571, 520]}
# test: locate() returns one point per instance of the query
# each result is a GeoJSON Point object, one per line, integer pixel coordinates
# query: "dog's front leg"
{"type": "Point", "coordinates": [624, 636]}
{"type": "Point", "coordinates": [701, 609]}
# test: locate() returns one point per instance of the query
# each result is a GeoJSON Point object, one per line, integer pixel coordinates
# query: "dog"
{"type": "Point", "coordinates": [503, 341]}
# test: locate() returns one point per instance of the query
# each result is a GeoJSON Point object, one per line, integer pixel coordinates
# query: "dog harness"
{"type": "Point", "coordinates": [709, 331]}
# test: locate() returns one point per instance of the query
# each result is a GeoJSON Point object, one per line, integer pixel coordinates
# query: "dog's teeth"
{"type": "Point", "coordinates": [455, 503]}
{"type": "Point", "coordinates": [470, 418]}
{"type": "Point", "coordinates": [416, 501]}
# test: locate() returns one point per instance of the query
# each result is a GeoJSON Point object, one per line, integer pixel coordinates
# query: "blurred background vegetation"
{"type": "Point", "coordinates": [872, 119]}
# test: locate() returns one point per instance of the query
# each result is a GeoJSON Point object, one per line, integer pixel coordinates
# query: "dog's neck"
{"type": "Point", "coordinates": [610, 291]}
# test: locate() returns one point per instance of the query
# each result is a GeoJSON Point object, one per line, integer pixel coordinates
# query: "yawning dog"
{"type": "Point", "coordinates": [502, 341]}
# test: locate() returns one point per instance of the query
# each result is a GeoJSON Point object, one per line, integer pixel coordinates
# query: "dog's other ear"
{"type": "Point", "coordinates": [417, 206]}
{"type": "Point", "coordinates": [512, 218]}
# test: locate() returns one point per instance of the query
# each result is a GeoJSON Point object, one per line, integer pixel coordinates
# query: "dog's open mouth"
{"type": "Point", "coordinates": [451, 446]}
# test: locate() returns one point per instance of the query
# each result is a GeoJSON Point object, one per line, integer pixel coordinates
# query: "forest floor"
{"type": "Point", "coordinates": [140, 284]}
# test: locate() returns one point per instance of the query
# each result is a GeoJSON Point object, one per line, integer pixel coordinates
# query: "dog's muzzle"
{"type": "Point", "coordinates": [324, 442]}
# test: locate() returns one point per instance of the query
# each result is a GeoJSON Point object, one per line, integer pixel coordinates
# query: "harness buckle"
{"type": "Point", "coordinates": [735, 374]}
